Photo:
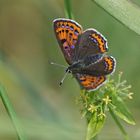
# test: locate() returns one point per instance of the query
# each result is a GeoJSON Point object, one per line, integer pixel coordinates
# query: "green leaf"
{"type": "Point", "coordinates": [12, 114]}
{"type": "Point", "coordinates": [95, 125]}
{"type": "Point", "coordinates": [125, 11]}
{"type": "Point", "coordinates": [121, 110]}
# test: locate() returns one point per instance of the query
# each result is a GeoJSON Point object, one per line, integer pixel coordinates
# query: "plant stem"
{"type": "Point", "coordinates": [12, 114]}
{"type": "Point", "coordinates": [68, 11]}
{"type": "Point", "coordinates": [126, 137]}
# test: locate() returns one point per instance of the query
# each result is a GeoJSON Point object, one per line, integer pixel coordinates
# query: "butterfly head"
{"type": "Point", "coordinates": [76, 67]}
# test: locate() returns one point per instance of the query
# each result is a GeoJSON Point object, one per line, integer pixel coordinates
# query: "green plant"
{"type": "Point", "coordinates": [12, 114]}
{"type": "Point", "coordinates": [109, 98]}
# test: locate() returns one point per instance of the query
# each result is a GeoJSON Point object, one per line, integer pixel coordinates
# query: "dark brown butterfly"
{"type": "Point", "coordinates": [84, 51]}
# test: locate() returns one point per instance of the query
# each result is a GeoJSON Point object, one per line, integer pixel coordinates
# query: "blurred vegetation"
{"type": "Point", "coordinates": [27, 43]}
{"type": "Point", "coordinates": [124, 11]}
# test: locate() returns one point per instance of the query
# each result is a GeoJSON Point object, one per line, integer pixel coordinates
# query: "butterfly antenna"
{"type": "Point", "coordinates": [59, 65]}
{"type": "Point", "coordinates": [61, 82]}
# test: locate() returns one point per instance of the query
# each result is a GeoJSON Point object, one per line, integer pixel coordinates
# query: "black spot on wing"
{"type": "Point", "coordinates": [63, 41]}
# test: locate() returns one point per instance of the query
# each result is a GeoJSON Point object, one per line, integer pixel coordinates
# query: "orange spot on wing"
{"type": "Point", "coordinates": [109, 62]}
{"type": "Point", "coordinates": [100, 41]}
{"type": "Point", "coordinates": [91, 82]}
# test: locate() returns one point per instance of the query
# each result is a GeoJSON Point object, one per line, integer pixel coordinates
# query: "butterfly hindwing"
{"type": "Point", "coordinates": [67, 32]}
{"type": "Point", "coordinates": [90, 42]}
{"type": "Point", "coordinates": [89, 82]}
{"type": "Point", "coordinates": [104, 66]}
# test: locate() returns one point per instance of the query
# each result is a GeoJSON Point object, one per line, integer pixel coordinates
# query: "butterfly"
{"type": "Point", "coordinates": [85, 52]}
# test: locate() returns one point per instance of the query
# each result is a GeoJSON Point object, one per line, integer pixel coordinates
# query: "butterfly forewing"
{"type": "Point", "coordinates": [67, 32]}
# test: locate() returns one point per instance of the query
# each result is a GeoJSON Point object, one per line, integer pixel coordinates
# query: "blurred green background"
{"type": "Point", "coordinates": [27, 42]}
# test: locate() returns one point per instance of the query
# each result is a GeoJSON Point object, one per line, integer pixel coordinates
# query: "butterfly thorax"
{"type": "Point", "coordinates": [76, 67]}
